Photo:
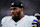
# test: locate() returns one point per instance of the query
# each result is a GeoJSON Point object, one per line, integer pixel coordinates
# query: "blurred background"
{"type": "Point", "coordinates": [30, 7]}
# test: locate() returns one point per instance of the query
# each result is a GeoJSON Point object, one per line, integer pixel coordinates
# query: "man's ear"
{"type": "Point", "coordinates": [21, 9]}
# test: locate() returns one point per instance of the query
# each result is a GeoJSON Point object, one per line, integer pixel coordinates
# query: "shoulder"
{"type": "Point", "coordinates": [4, 19]}
{"type": "Point", "coordinates": [30, 17]}
{"type": "Point", "coordinates": [33, 17]}
{"type": "Point", "coordinates": [26, 16]}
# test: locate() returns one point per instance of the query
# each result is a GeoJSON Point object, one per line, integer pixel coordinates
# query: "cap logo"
{"type": "Point", "coordinates": [21, 4]}
{"type": "Point", "coordinates": [12, 4]}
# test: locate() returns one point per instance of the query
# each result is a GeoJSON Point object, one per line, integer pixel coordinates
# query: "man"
{"type": "Point", "coordinates": [18, 19]}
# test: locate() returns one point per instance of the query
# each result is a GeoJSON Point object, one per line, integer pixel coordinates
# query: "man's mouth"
{"type": "Point", "coordinates": [13, 14]}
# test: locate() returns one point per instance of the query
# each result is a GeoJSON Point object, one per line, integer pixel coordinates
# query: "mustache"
{"type": "Point", "coordinates": [12, 13]}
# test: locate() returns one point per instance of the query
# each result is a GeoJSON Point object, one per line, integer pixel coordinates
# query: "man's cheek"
{"type": "Point", "coordinates": [16, 13]}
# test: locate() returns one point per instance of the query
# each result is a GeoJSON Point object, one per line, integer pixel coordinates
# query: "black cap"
{"type": "Point", "coordinates": [17, 4]}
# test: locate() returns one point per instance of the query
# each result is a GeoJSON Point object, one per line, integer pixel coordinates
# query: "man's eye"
{"type": "Point", "coordinates": [11, 9]}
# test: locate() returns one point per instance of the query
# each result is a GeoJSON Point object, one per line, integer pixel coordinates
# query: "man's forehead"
{"type": "Point", "coordinates": [14, 7]}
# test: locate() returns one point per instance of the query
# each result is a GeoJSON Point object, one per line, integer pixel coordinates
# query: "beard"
{"type": "Point", "coordinates": [16, 18]}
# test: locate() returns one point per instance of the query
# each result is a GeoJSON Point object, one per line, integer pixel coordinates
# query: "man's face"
{"type": "Point", "coordinates": [15, 11]}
